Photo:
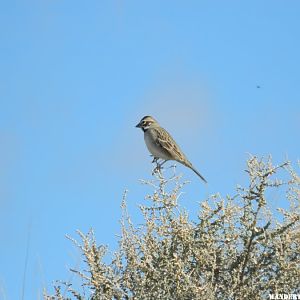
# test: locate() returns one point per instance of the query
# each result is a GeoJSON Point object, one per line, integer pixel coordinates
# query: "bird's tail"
{"type": "Point", "coordinates": [198, 174]}
{"type": "Point", "coordinates": [189, 165]}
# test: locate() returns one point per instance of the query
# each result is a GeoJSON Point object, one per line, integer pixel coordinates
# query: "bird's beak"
{"type": "Point", "coordinates": [138, 125]}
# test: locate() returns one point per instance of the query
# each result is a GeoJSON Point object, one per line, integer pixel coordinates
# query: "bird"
{"type": "Point", "coordinates": [161, 144]}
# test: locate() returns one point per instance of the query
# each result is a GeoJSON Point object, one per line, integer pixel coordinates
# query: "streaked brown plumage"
{"type": "Point", "coordinates": [161, 144]}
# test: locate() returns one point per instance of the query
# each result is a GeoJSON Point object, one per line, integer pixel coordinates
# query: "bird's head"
{"type": "Point", "coordinates": [146, 122]}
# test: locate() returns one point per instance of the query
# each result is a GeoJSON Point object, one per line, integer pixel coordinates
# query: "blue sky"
{"type": "Point", "coordinates": [77, 76]}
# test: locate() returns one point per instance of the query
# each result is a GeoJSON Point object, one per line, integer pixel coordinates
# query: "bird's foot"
{"type": "Point", "coordinates": [155, 159]}
{"type": "Point", "coordinates": [158, 167]}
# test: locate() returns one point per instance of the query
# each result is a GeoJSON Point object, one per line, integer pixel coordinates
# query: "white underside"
{"type": "Point", "coordinates": [153, 148]}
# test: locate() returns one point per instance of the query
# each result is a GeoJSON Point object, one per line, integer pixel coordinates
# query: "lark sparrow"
{"type": "Point", "coordinates": [161, 145]}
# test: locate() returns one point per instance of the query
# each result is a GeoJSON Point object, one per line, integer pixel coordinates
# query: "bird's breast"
{"type": "Point", "coordinates": [153, 147]}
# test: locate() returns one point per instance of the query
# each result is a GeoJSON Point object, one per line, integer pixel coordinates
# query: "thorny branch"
{"type": "Point", "coordinates": [239, 248]}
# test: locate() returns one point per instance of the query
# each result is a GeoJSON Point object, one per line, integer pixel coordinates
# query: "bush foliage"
{"type": "Point", "coordinates": [238, 248]}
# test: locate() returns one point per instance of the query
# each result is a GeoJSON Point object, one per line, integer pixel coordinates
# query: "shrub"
{"type": "Point", "coordinates": [238, 248]}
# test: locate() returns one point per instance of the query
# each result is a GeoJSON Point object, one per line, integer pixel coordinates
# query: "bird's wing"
{"type": "Point", "coordinates": [166, 142]}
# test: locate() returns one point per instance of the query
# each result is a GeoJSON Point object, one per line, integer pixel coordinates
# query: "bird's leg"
{"type": "Point", "coordinates": [162, 163]}
{"type": "Point", "coordinates": [158, 165]}
{"type": "Point", "coordinates": [155, 159]}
